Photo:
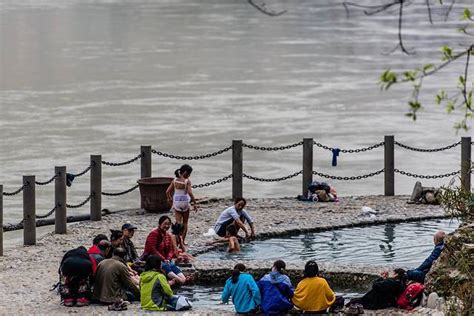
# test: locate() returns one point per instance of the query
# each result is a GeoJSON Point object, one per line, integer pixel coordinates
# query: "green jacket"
{"type": "Point", "coordinates": [112, 280]}
{"type": "Point", "coordinates": [154, 291]}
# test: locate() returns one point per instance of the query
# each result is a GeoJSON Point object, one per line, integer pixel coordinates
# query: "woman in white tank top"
{"type": "Point", "coordinates": [180, 194]}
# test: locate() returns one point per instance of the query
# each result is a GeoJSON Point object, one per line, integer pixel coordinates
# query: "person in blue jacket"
{"type": "Point", "coordinates": [243, 289]}
{"type": "Point", "coordinates": [419, 273]}
{"type": "Point", "coordinates": [276, 290]}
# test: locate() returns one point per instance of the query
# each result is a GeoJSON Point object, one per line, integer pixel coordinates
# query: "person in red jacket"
{"type": "Point", "coordinates": [159, 243]}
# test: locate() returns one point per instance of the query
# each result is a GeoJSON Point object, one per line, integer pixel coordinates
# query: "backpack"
{"type": "Point", "coordinates": [411, 296]}
{"type": "Point", "coordinates": [178, 303]}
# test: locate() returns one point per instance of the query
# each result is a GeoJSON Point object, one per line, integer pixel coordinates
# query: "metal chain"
{"type": "Point", "coordinates": [80, 204]}
{"type": "Point", "coordinates": [350, 151]}
{"type": "Point", "coordinates": [120, 193]}
{"type": "Point", "coordinates": [171, 156]}
{"type": "Point", "coordinates": [49, 213]}
{"type": "Point", "coordinates": [17, 191]}
{"type": "Point", "coordinates": [428, 150]}
{"type": "Point", "coordinates": [212, 182]}
{"type": "Point", "coordinates": [365, 176]}
{"type": "Point", "coordinates": [272, 179]}
{"type": "Point", "coordinates": [414, 175]}
{"type": "Point", "coordinates": [272, 148]}
{"type": "Point", "coordinates": [83, 172]}
{"type": "Point", "coordinates": [46, 182]}
{"type": "Point", "coordinates": [115, 164]}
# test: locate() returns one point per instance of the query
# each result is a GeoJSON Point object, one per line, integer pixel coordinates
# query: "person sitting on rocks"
{"type": "Point", "coordinates": [99, 252]}
{"type": "Point", "coordinates": [113, 282]}
{"type": "Point", "coordinates": [313, 294]}
{"type": "Point", "coordinates": [243, 289]}
{"type": "Point", "coordinates": [384, 292]}
{"type": "Point", "coordinates": [180, 254]}
{"type": "Point", "coordinates": [116, 238]}
{"type": "Point", "coordinates": [159, 243]}
{"type": "Point", "coordinates": [276, 290]}
{"type": "Point", "coordinates": [231, 238]}
{"type": "Point", "coordinates": [154, 288]}
{"type": "Point", "coordinates": [235, 215]}
{"type": "Point", "coordinates": [75, 272]}
{"type": "Point", "coordinates": [419, 273]}
{"type": "Point", "coordinates": [128, 230]}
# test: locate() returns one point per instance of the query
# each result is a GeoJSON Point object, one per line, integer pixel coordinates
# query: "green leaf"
{"type": "Point", "coordinates": [461, 80]}
{"type": "Point", "coordinates": [427, 67]}
{"type": "Point", "coordinates": [447, 52]}
{"type": "Point", "coordinates": [387, 78]}
{"type": "Point", "coordinates": [449, 106]}
{"type": "Point", "coordinates": [410, 75]}
{"type": "Point", "coordinates": [415, 105]}
{"type": "Point", "coordinates": [466, 14]}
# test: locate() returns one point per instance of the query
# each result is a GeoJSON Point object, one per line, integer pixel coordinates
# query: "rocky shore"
{"type": "Point", "coordinates": [28, 273]}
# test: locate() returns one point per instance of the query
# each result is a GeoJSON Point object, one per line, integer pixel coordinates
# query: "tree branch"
{"type": "Point", "coordinates": [429, 11]}
{"type": "Point", "coordinates": [264, 10]}
{"type": "Point", "coordinates": [400, 19]}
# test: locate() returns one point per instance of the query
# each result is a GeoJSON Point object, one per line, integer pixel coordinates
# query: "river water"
{"type": "Point", "coordinates": [188, 76]}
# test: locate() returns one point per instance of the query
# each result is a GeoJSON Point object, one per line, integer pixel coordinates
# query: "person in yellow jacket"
{"type": "Point", "coordinates": [155, 292]}
{"type": "Point", "coordinates": [313, 294]}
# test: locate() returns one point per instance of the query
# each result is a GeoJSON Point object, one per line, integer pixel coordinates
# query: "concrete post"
{"type": "Point", "coordinates": [389, 165]}
{"type": "Point", "coordinates": [307, 164]}
{"type": "Point", "coordinates": [145, 164]}
{"type": "Point", "coordinates": [466, 161]}
{"type": "Point", "coordinates": [96, 187]}
{"type": "Point", "coordinates": [237, 169]}
{"type": "Point", "coordinates": [29, 210]}
{"type": "Point", "coordinates": [60, 215]}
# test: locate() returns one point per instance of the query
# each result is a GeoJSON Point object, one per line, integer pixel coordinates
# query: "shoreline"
{"type": "Point", "coordinates": [27, 273]}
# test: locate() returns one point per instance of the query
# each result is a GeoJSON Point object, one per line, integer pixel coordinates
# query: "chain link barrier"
{"type": "Point", "coordinates": [272, 179]}
{"type": "Point", "coordinates": [428, 150]}
{"type": "Point", "coordinates": [115, 164]}
{"type": "Point", "coordinates": [80, 204]}
{"type": "Point", "coordinates": [351, 178]}
{"type": "Point", "coordinates": [414, 175]}
{"type": "Point", "coordinates": [207, 184]}
{"type": "Point", "coordinates": [17, 191]}
{"type": "Point", "coordinates": [197, 157]}
{"type": "Point", "coordinates": [277, 148]}
{"type": "Point", "coordinates": [83, 172]}
{"type": "Point", "coordinates": [350, 151]}
{"type": "Point", "coordinates": [46, 182]}
{"type": "Point", "coordinates": [49, 213]}
{"type": "Point", "coordinates": [120, 193]}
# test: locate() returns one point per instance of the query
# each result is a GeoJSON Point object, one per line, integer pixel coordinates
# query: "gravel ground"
{"type": "Point", "coordinates": [27, 273]}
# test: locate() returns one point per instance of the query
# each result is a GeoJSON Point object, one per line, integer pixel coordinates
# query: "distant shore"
{"type": "Point", "coordinates": [27, 273]}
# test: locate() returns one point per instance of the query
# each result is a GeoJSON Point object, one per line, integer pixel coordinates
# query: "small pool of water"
{"type": "Point", "coordinates": [403, 244]}
{"type": "Point", "coordinates": [209, 297]}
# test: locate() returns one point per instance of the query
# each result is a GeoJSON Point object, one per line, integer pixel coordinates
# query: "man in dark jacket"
{"type": "Point", "coordinates": [128, 230]}
{"type": "Point", "coordinates": [384, 292]}
{"type": "Point", "coordinates": [113, 282]}
{"type": "Point", "coordinates": [419, 273]}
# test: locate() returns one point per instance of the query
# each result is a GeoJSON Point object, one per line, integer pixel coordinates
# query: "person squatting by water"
{"type": "Point", "coordinates": [231, 239]}
{"type": "Point", "coordinates": [180, 195]}
{"type": "Point", "coordinates": [235, 215]}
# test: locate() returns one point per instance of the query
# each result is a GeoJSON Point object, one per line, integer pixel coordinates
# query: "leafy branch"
{"type": "Point", "coordinates": [262, 8]}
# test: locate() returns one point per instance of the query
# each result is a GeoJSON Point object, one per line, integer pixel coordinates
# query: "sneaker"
{"type": "Point", "coordinates": [351, 310]}
{"type": "Point", "coordinates": [68, 302]}
{"type": "Point", "coordinates": [82, 301]}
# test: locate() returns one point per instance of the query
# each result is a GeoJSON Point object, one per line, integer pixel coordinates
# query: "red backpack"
{"type": "Point", "coordinates": [411, 296]}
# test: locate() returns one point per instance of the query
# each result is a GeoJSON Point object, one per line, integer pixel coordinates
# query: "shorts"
{"type": "Point", "coordinates": [170, 267]}
{"type": "Point", "coordinates": [221, 230]}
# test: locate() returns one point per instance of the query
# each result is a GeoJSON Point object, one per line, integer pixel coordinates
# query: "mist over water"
{"type": "Point", "coordinates": [187, 77]}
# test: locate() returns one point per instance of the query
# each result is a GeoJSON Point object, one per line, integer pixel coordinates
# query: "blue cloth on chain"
{"type": "Point", "coordinates": [335, 153]}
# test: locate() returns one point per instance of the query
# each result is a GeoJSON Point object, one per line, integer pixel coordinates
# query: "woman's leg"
{"type": "Point", "coordinates": [185, 218]}
{"type": "Point", "coordinates": [178, 216]}
{"type": "Point", "coordinates": [178, 277]}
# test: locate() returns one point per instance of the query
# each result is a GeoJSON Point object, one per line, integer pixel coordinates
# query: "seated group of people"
{"type": "Point", "coordinates": [274, 293]}
{"type": "Point", "coordinates": [111, 271]}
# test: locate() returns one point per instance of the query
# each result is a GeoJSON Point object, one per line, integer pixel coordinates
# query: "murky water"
{"type": "Point", "coordinates": [187, 77]}
{"type": "Point", "coordinates": [404, 245]}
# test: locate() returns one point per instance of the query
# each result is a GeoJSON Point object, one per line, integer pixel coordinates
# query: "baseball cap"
{"type": "Point", "coordinates": [128, 226]}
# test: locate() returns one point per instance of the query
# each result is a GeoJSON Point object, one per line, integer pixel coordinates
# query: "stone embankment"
{"type": "Point", "coordinates": [28, 273]}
